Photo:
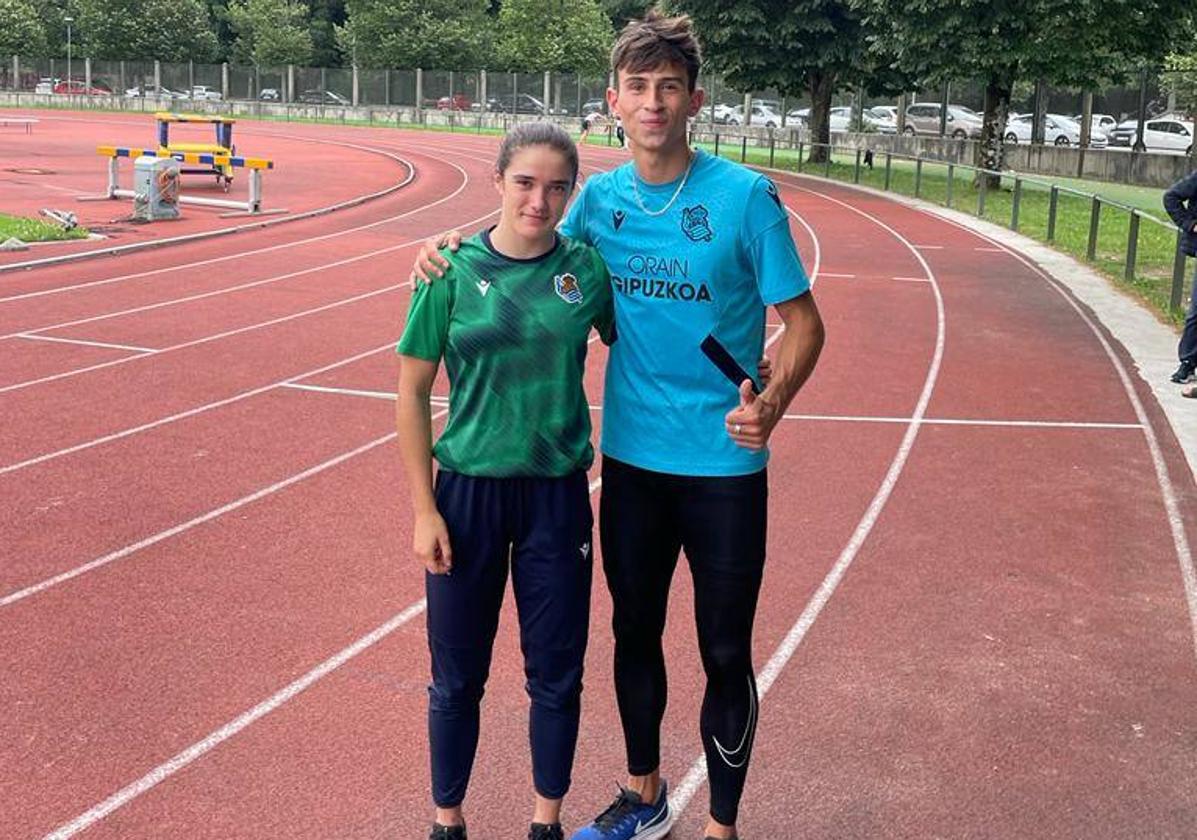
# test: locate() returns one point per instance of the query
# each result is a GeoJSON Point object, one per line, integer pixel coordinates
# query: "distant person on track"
{"type": "Point", "coordinates": [619, 132]}
{"type": "Point", "coordinates": [1181, 203]}
{"type": "Point", "coordinates": [511, 322]}
{"type": "Point", "coordinates": [588, 123]}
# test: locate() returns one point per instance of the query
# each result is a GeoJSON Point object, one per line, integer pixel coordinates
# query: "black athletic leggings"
{"type": "Point", "coordinates": [646, 518]}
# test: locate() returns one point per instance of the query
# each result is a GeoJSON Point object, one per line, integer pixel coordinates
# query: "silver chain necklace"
{"type": "Point", "coordinates": [673, 198]}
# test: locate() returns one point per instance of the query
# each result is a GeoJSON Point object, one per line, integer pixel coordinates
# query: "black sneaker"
{"type": "Point", "coordinates": [541, 831]}
{"type": "Point", "coordinates": [1184, 373]}
{"type": "Point", "coordinates": [447, 832]}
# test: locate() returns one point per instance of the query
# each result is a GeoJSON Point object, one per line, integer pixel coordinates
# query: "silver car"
{"type": "Point", "coordinates": [923, 118]}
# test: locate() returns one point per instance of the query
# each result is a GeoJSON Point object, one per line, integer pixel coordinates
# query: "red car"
{"type": "Point", "coordinates": [79, 87]}
{"type": "Point", "coordinates": [456, 102]}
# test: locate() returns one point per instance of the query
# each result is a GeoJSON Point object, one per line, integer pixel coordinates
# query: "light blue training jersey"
{"type": "Point", "coordinates": [691, 286]}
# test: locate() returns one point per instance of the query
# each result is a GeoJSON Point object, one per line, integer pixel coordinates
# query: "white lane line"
{"type": "Point", "coordinates": [697, 774]}
{"type": "Point", "coordinates": [201, 236]}
{"type": "Point", "coordinates": [168, 768]}
{"type": "Point", "coordinates": [928, 247]}
{"type": "Point", "coordinates": [191, 412]}
{"type": "Point", "coordinates": [181, 760]}
{"type": "Point", "coordinates": [286, 245]}
{"type": "Point", "coordinates": [251, 327]}
{"type": "Point", "coordinates": [1176, 523]}
{"type": "Point", "coordinates": [837, 276]}
{"type": "Point", "coordinates": [60, 340]}
{"type": "Point", "coordinates": [121, 553]}
{"type": "Point", "coordinates": [950, 421]}
{"type": "Point", "coordinates": [352, 392]}
{"type": "Point", "coordinates": [912, 279]}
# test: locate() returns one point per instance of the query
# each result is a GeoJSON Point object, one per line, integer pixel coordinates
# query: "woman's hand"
{"type": "Point", "coordinates": [430, 542]}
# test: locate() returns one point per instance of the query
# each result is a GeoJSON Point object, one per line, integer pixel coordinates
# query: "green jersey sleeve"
{"type": "Point", "coordinates": [604, 315]}
{"type": "Point", "coordinates": [427, 327]}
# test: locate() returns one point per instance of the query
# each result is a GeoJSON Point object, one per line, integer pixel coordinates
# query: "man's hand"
{"type": "Point", "coordinates": [429, 262]}
{"type": "Point", "coordinates": [430, 542]}
{"type": "Point", "coordinates": [751, 423]}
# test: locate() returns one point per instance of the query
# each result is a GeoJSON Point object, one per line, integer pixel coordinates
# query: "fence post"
{"type": "Point", "coordinates": [888, 167]}
{"type": "Point", "coordinates": [356, 87]}
{"type": "Point", "coordinates": [770, 148]}
{"type": "Point", "coordinates": [1132, 245]}
{"type": "Point", "coordinates": [918, 176]}
{"type": "Point", "coordinates": [827, 163]}
{"type": "Point", "coordinates": [548, 89]}
{"type": "Point", "coordinates": [1053, 203]}
{"type": "Point", "coordinates": [87, 74]}
{"type": "Point", "coordinates": [1178, 273]}
{"type": "Point", "coordinates": [290, 85]}
{"type": "Point", "coordinates": [16, 72]}
{"type": "Point", "coordinates": [716, 144]}
{"type": "Point", "coordinates": [1094, 221]}
{"type": "Point", "coordinates": [743, 148]}
{"type": "Point", "coordinates": [482, 90]}
{"type": "Point", "coordinates": [158, 76]}
{"type": "Point", "coordinates": [190, 75]}
{"type": "Point", "coordinates": [800, 152]}
{"type": "Point", "coordinates": [1015, 202]}
{"type": "Point", "coordinates": [856, 169]}
{"type": "Point", "coordinates": [951, 182]}
{"type": "Point", "coordinates": [419, 94]}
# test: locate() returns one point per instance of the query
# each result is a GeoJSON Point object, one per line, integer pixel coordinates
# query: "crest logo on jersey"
{"type": "Point", "coordinates": [696, 225]}
{"type": "Point", "coordinates": [483, 286]}
{"type": "Point", "coordinates": [617, 217]}
{"type": "Point", "coordinates": [567, 288]}
{"type": "Point", "coordinates": [771, 188]}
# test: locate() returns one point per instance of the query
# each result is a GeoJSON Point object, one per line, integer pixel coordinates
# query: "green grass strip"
{"type": "Point", "coordinates": [35, 230]}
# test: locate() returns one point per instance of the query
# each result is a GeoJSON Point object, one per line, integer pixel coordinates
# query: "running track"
{"type": "Point", "coordinates": [975, 621]}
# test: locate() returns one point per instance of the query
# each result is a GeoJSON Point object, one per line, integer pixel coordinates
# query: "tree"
{"type": "Point", "coordinates": [1180, 80]}
{"type": "Point", "coordinates": [795, 47]}
{"type": "Point", "coordinates": [21, 29]}
{"type": "Point", "coordinates": [539, 35]}
{"type": "Point", "coordinates": [433, 34]}
{"type": "Point", "coordinates": [170, 30]}
{"type": "Point", "coordinates": [1063, 42]}
{"type": "Point", "coordinates": [621, 11]}
{"type": "Point", "coordinates": [326, 16]}
{"type": "Point", "coordinates": [270, 33]}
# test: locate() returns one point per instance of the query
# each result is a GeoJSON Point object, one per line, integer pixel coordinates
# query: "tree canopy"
{"type": "Point", "coordinates": [269, 32]}
{"type": "Point", "coordinates": [20, 28]}
{"type": "Point", "coordinates": [537, 35]}
{"type": "Point", "coordinates": [170, 30]}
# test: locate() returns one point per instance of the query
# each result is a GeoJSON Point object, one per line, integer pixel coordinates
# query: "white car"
{"type": "Point", "coordinates": [202, 92]}
{"type": "Point", "coordinates": [761, 115]}
{"type": "Point", "coordinates": [138, 92]}
{"type": "Point", "coordinates": [45, 86]}
{"type": "Point", "coordinates": [1101, 124]}
{"type": "Point", "coordinates": [1058, 130]}
{"type": "Point", "coordinates": [882, 118]}
{"type": "Point", "coordinates": [1162, 134]}
{"type": "Point", "coordinates": [724, 113]}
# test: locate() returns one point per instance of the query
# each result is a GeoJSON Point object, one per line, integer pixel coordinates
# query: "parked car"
{"type": "Point", "coordinates": [881, 118]}
{"type": "Point", "coordinates": [456, 102]}
{"type": "Point", "coordinates": [1058, 130]}
{"type": "Point", "coordinates": [798, 116]}
{"type": "Point", "coordinates": [202, 92]}
{"type": "Point", "coordinates": [45, 86]}
{"type": "Point", "coordinates": [1099, 124]}
{"type": "Point", "coordinates": [270, 95]}
{"type": "Point", "coordinates": [761, 115]}
{"type": "Point", "coordinates": [77, 87]}
{"type": "Point", "coordinates": [723, 113]}
{"type": "Point", "coordinates": [520, 103]}
{"type": "Point", "coordinates": [923, 118]}
{"type": "Point", "coordinates": [322, 97]}
{"type": "Point", "coordinates": [1166, 134]}
{"type": "Point", "coordinates": [140, 91]}
{"type": "Point", "coordinates": [594, 106]}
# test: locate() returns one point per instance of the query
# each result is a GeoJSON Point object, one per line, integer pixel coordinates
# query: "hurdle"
{"type": "Point", "coordinates": [250, 207]}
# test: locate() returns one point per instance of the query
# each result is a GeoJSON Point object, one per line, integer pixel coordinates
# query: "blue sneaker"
{"type": "Point", "coordinates": [630, 818]}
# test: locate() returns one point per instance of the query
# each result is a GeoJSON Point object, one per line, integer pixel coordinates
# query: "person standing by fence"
{"type": "Point", "coordinates": [1181, 203]}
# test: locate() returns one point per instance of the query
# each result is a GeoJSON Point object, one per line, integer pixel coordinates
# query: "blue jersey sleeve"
{"type": "Point", "coordinates": [574, 223]}
{"type": "Point", "coordinates": [770, 246]}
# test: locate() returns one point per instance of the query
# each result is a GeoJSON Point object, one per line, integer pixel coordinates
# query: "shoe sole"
{"type": "Point", "coordinates": [657, 833]}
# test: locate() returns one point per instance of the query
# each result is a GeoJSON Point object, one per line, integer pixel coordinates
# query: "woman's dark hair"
{"type": "Point", "coordinates": [538, 134]}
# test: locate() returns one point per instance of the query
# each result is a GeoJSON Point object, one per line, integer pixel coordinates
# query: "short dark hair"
{"type": "Point", "coordinates": [538, 134]}
{"type": "Point", "coordinates": [656, 40]}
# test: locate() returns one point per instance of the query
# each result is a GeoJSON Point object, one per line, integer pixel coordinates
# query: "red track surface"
{"type": "Point", "coordinates": [988, 631]}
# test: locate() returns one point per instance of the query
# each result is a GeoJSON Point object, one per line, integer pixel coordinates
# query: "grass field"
{"type": "Point", "coordinates": [35, 230]}
{"type": "Point", "coordinates": [1150, 278]}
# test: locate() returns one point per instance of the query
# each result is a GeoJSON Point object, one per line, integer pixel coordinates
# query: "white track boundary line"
{"type": "Point", "coordinates": [201, 236]}
{"type": "Point", "coordinates": [191, 412]}
{"type": "Point", "coordinates": [121, 553]}
{"type": "Point", "coordinates": [60, 340]}
{"type": "Point", "coordinates": [964, 421]}
{"type": "Point", "coordinates": [1184, 555]}
{"type": "Point", "coordinates": [697, 773]}
{"type": "Point", "coordinates": [249, 328]}
{"type": "Point", "coordinates": [181, 760]}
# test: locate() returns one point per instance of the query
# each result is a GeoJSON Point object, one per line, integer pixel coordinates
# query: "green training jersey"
{"type": "Point", "coordinates": [513, 334]}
